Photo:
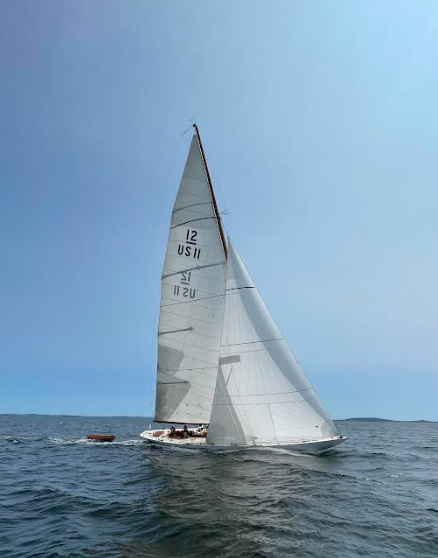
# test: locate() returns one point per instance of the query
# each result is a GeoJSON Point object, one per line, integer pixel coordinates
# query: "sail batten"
{"type": "Point", "coordinates": [192, 300]}
{"type": "Point", "coordinates": [192, 221]}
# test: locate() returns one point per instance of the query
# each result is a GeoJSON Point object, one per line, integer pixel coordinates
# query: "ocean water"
{"type": "Point", "coordinates": [60, 495]}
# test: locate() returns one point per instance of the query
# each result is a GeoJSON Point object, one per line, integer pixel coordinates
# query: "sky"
{"type": "Point", "coordinates": [320, 125]}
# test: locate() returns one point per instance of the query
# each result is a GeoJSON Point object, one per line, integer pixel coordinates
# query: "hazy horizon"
{"type": "Point", "coordinates": [364, 419]}
{"type": "Point", "coordinates": [319, 123]}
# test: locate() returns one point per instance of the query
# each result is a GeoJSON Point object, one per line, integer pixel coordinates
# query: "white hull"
{"type": "Point", "coordinates": [161, 438]}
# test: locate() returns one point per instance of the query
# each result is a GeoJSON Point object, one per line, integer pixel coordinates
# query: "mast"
{"type": "Point", "coordinates": [210, 184]}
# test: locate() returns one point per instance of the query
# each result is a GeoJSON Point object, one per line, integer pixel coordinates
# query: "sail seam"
{"type": "Point", "coordinates": [216, 338]}
{"type": "Point", "coordinates": [197, 359]}
{"type": "Point", "coordinates": [253, 342]}
{"type": "Point", "coordinates": [191, 205]}
{"type": "Point", "coordinates": [204, 397]}
{"type": "Point", "coordinates": [189, 369]}
{"type": "Point", "coordinates": [196, 195]}
{"type": "Point", "coordinates": [190, 318]}
{"type": "Point", "coordinates": [269, 394]}
{"type": "Point", "coordinates": [195, 346]}
{"type": "Point", "coordinates": [239, 288]}
{"type": "Point", "coordinates": [261, 403]}
{"type": "Point", "coordinates": [191, 269]}
{"type": "Point", "coordinates": [192, 221]}
{"type": "Point", "coordinates": [192, 300]}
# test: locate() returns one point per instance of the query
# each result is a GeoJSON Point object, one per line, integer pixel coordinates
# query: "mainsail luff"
{"type": "Point", "coordinates": [262, 396]}
{"type": "Point", "coordinates": [192, 299]}
{"type": "Point", "coordinates": [210, 184]}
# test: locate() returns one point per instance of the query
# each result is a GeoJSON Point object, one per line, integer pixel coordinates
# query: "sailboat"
{"type": "Point", "coordinates": [223, 364]}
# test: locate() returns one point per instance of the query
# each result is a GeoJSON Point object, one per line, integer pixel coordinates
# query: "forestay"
{"type": "Point", "coordinates": [192, 301]}
{"type": "Point", "coordinates": [262, 395]}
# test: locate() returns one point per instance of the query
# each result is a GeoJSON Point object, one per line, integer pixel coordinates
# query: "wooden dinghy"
{"type": "Point", "coordinates": [101, 437]}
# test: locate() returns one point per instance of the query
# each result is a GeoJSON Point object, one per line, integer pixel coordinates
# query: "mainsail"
{"type": "Point", "coordinates": [262, 396]}
{"type": "Point", "coordinates": [192, 299]}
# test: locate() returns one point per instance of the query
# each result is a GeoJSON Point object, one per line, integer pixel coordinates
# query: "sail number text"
{"type": "Point", "coordinates": [189, 248]}
{"type": "Point", "coordinates": [186, 292]}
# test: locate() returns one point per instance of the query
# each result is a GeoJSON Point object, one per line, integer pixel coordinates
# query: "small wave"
{"type": "Point", "coordinates": [134, 442]}
{"type": "Point", "coordinates": [11, 439]}
{"type": "Point", "coordinates": [20, 439]}
{"type": "Point", "coordinates": [86, 441]}
{"type": "Point", "coordinates": [64, 442]}
{"type": "Point", "coordinates": [281, 451]}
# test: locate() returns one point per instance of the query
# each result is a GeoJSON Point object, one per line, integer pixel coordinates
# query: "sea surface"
{"type": "Point", "coordinates": [61, 495]}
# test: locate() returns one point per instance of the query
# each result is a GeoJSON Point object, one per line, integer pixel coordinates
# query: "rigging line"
{"type": "Point", "coordinates": [193, 372]}
{"type": "Point", "coordinates": [172, 272]}
{"type": "Point", "coordinates": [192, 307]}
{"type": "Point", "coordinates": [240, 288]}
{"type": "Point", "coordinates": [189, 369]}
{"type": "Point", "coordinates": [192, 221]}
{"type": "Point", "coordinates": [196, 195]}
{"type": "Point", "coordinates": [190, 318]}
{"type": "Point", "coordinates": [253, 342]}
{"type": "Point", "coordinates": [191, 300]}
{"type": "Point", "coordinates": [251, 351]}
{"type": "Point", "coordinates": [236, 290]}
{"type": "Point", "coordinates": [262, 403]}
{"type": "Point", "coordinates": [185, 131]}
{"type": "Point", "coordinates": [215, 337]}
{"type": "Point", "coordinates": [199, 347]}
{"type": "Point", "coordinates": [273, 423]}
{"type": "Point", "coordinates": [196, 374]}
{"type": "Point", "coordinates": [268, 394]}
{"type": "Point", "coordinates": [191, 269]}
{"type": "Point", "coordinates": [191, 205]}
{"type": "Point", "coordinates": [184, 258]}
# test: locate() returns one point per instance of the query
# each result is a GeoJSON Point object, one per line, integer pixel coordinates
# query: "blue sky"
{"type": "Point", "coordinates": [320, 125]}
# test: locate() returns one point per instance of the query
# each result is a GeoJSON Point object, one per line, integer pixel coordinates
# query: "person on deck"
{"type": "Point", "coordinates": [172, 431]}
{"type": "Point", "coordinates": [186, 431]}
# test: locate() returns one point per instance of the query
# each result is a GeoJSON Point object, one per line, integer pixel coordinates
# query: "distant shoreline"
{"type": "Point", "coordinates": [376, 419]}
{"type": "Point", "coordinates": [150, 419]}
